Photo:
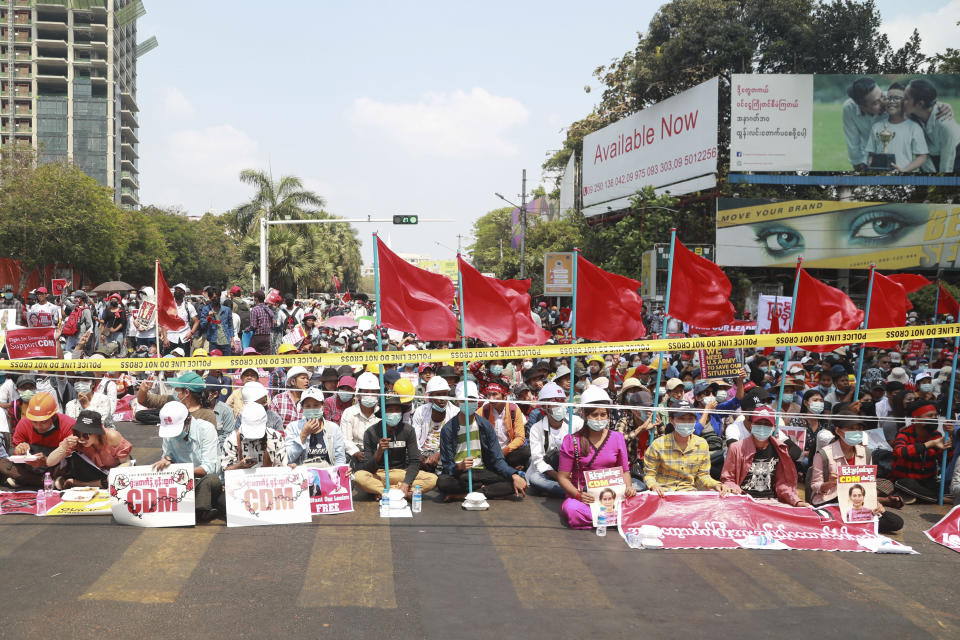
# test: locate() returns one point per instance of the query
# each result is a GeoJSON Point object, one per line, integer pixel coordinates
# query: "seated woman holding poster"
{"type": "Point", "coordinates": [593, 447]}
{"type": "Point", "coordinates": [90, 452]}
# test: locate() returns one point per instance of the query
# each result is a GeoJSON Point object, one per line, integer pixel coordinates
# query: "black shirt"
{"type": "Point", "coordinates": [760, 480]}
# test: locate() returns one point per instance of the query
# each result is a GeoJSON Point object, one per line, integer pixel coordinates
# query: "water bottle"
{"type": "Point", "coordinates": [417, 502]}
{"type": "Point", "coordinates": [602, 522]}
{"type": "Point", "coordinates": [385, 504]}
{"type": "Point", "coordinates": [44, 494]}
{"type": "Point", "coordinates": [47, 483]}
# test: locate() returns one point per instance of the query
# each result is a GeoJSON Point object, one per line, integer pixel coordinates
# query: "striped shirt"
{"type": "Point", "coordinates": [475, 451]}
{"type": "Point", "coordinates": [673, 469]}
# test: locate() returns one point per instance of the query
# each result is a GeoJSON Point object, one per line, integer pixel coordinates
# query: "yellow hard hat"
{"type": "Point", "coordinates": [200, 353]}
{"type": "Point", "coordinates": [404, 388]}
{"type": "Point", "coordinates": [373, 368]}
{"type": "Point", "coordinates": [286, 347]}
{"type": "Point", "coordinates": [595, 358]}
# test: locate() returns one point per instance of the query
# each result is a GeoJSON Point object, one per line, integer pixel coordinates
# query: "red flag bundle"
{"type": "Point", "coordinates": [336, 283]}
{"type": "Point", "coordinates": [347, 297]}
{"type": "Point", "coordinates": [413, 299]}
{"type": "Point", "coordinates": [774, 328]}
{"type": "Point", "coordinates": [608, 305]}
{"type": "Point", "coordinates": [947, 304]}
{"type": "Point", "coordinates": [498, 311]}
{"type": "Point", "coordinates": [820, 307]}
{"type": "Point", "coordinates": [700, 291]}
{"type": "Point", "coordinates": [888, 306]}
{"type": "Point", "coordinates": [166, 306]}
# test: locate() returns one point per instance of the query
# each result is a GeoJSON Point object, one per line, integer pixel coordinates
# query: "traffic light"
{"type": "Point", "coordinates": [405, 219]}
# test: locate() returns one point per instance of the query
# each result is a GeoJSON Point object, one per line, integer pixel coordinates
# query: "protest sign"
{"type": "Point", "coordinates": [607, 488]}
{"type": "Point", "coordinates": [722, 363]}
{"type": "Point", "coordinates": [917, 348]}
{"type": "Point", "coordinates": [146, 316]}
{"type": "Point", "coordinates": [143, 497]}
{"type": "Point", "coordinates": [947, 531]}
{"type": "Point", "coordinates": [735, 328]}
{"type": "Point", "coordinates": [80, 501]}
{"type": "Point", "coordinates": [704, 520]}
{"type": "Point", "coordinates": [57, 285]}
{"type": "Point", "coordinates": [330, 490]}
{"type": "Point", "coordinates": [558, 274]}
{"type": "Point", "coordinates": [857, 492]}
{"type": "Point", "coordinates": [295, 336]}
{"type": "Point", "coordinates": [797, 434]}
{"type": "Point", "coordinates": [266, 495]}
{"type": "Point", "coordinates": [24, 344]}
{"type": "Point", "coordinates": [767, 308]}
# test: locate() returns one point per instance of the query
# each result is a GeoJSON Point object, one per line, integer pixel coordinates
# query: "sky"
{"type": "Point", "coordinates": [424, 108]}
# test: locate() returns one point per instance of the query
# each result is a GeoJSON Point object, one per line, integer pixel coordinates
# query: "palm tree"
{"type": "Point", "coordinates": [282, 200]}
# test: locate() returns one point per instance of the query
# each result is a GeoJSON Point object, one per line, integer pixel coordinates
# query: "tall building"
{"type": "Point", "coordinates": [68, 85]}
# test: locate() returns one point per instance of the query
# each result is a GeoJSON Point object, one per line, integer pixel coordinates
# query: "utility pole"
{"type": "Point", "coordinates": [523, 225]}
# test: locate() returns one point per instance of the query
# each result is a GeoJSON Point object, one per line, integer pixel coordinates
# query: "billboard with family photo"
{"type": "Point", "coordinates": [874, 124]}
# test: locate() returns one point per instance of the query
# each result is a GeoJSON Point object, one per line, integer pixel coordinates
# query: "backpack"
{"type": "Point", "coordinates": [72, 325]}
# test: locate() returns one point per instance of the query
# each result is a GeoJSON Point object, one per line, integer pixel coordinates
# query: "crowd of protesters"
{"type": "Point", "coordinates": [691, 433]}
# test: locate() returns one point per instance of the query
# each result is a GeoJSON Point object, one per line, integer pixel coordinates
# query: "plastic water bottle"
{"type": "Point", "coordinates": [602, 522]}
{"type": "Point", "coordinates": [47, 482]}
{"type": "Point", "coordinates": [385, 504]}
{"type": "Point", "coordinates": [417, 503]}
{"type": "Point", "coordinates": [44, 494]}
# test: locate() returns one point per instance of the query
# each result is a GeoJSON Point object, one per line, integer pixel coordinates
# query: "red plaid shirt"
{"type": "Point", "coordinates": [913, 460]}
{"type": "Point", "coordinates": [286, 407]}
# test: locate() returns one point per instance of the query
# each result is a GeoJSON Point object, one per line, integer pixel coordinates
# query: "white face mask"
{"type": "Point", "coordinates": [558, 413]}
{"type": "Point", "coordinates": [721, 395]}
{"type": "Point", "coordinates": [815, 406]}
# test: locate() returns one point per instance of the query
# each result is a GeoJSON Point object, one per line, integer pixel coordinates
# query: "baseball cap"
{"type": "Point", "coordinates": [682, 409]}
{"type": "Point", "coordinates": [191, 381]}
{"type": "Point", "coordinates": [347, 381]}
{"type": "Point", "coordinates": [437, 383]}
{"type": "Point", "coordinates": [673, 383]}
{"type": "Point", "coordinates": [253, 421]}
{"type": "Point", "coordinates": [252, 391]}
{"type": "Point", "coordinates": [89, 422]}
{"type": "Point", "coordinates": [41, 290]}
{"type": "Point", "coordinates": [235, 290]}
{"type": "Point", "coordinates": [701, 386]}
{"type": "Point", "coordinates": [172, 417]}
{"type": "Point", "coordinates": [310, 392]}
{"type": "Point", "coordinates": [764, 414]}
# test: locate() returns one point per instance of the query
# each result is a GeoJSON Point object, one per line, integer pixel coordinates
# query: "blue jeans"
{"type": "Point", "coordinates": [544, 484]}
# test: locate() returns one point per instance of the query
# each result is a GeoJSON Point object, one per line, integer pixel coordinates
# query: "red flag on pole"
{"type": "Point", "coordinates": [888, 306]}
{"type": "Point", "coordinates": [700, 291]}
{"type": "Point", "coordinates": [608, 305]}
{"type": "Point", "coordinates": [346, 296]}
{"type": "Point", "coordinates": [336, 283]}
{"type": "Point", "coordinates": [820, 307]}
{"type": "Point", "coordinates": [414, 299]}
{"type": "Point", "coordinates": [947, 304]}
{"type": "Point", "coordinates": [166, 306]}
{"type": "Point", "coordinates": [498, 311]}
{"type": "Point", "coordinates": [774, 327]}
{"type": "Point", "coordinates": [909, 281]}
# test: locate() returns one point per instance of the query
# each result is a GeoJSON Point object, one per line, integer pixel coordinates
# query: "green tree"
{"type": "Point", "coordinates": [285, 199]}
{"type": "Point", "coordinates": [948, 61]}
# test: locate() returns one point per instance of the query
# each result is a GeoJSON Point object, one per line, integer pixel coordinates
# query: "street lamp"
{"type": "Point", "coordinates": [523, 227]}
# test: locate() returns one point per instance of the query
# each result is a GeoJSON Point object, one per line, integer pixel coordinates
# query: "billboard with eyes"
{"type": "Point", "coordinates": [837, 235]}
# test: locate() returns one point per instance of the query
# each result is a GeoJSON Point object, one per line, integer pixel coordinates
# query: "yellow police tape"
{"type": "Point", "coordinates": [799, 340]}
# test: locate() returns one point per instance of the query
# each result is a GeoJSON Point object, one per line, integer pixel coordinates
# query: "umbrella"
{"type": "Point", "coordinates": [343, 322]}
{"type": "Point", "coordinates": [112, 286]}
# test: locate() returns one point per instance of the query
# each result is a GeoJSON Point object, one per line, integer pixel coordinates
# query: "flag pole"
{"type": "Point", "coordinates": [866, 325]}
{"type": "Point", "coordinates": [666, 322]}
{"type": "Point", "coordinates": [936, 308]}
{"type": "Point", "coordinates": [466, 396]}
{"type": "Point", "coordinates": [786, 353]}
{"type": "Point", "coordinates": [383, 398]}
{"type": "Point", "coordinates": [156, 295]}
{"type": "Point", "coordinates": [953, 377]}
{"type": "Point", "coordinates": [573, 340]}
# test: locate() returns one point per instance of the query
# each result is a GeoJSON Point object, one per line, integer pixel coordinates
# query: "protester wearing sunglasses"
{"type": "Point", "coordinates": [90, 452]}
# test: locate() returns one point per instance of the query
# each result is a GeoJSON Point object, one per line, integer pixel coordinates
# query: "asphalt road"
{"type": "Point", "coordinates": [510, 572]}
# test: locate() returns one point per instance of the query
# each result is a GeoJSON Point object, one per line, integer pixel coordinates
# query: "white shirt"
{"type": "Point", "coordinates": [8, 393]}
{"type": "Point", "coordinates": [108, 388]}
{"type": "Point", "coordinates": [186, 312]}
{"type": "Point", "coordinates": [424, 426]}
{"type": "Point", "coordinates": [43, 315]}
{"type": "Point", "coordinates": [353, 424]}
{"type": "Point", "coordinates": [545, 440]}
{"type": "Point", "coordinates": [99, 403]}
{"type": "Point", "coordinates": [500, 429]}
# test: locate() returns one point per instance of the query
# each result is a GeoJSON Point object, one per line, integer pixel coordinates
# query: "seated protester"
{"type": "Point", "coordinates": [235, 401]}
{"type": "Point", "coordinates": [89, 399]}
{"type": "Point", "coordinates": [844, 449]}
{"type": "Point", "coordinates": [337, 403]}
{"type": "Point", "coordinates": [287, 404]}
{"type": "Point", "coordinates": [89, 453]}
{"type": "Point", "coordinates": [360, 415]}
{"type": "Point", "coordinates": [637, 426]}
{"type": "Point", "coordinates": [508, 424]}
{"type": "Point", "coordinates": [709, 425]}
{"type": "Point", "coordinates": [226, 421]}
{"type": "Point", "coordinates": [546, 438]}
{"type": "Point", "coordinates": [818, 433]}
{"type": "Point", "coordinates": [39, 432]}
{"type": "Point", "coordinates": [187, 389]}
{"type": "Point", "coordinates": [525, 400]}
{"type": "Point", "coordinates": [923, 383]}
{"type": "Point", "coordinates": [916, 451]}
{"type": "Point", "coordinates": [311, 440]}
{"type": "Point", "coordinates": [760, 466]}
{"type": "Point", "coordinates": [190, 439]}
{"type": "Point", "coordinates": [254, 444]}
{"type": "Point", "coordinates": [680, 460]}
{"type": "Point", "coordinates": [254, 392]}
{"type": "Point", "coordinates": [594, 446]}
{"type": "Point", "coordinates": [842, 390]}
{"type": "Point", "coordinates": [429, 419]}
{"type": "Point", "coordinates": [403, 456]}
{"type": "Point", "coordinates": [491, 474]}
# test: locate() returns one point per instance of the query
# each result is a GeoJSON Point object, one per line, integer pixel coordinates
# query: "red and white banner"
{"type": "Point", "coordinates": [704, 520]}
{"type": "Point", "coordinates": [735, 328]}
{"type": "Point", "coordinates": [25, 344]}
{"type": "Point", "coordinates": [947, 531]}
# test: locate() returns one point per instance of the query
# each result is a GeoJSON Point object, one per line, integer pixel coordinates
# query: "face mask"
{"type": "Point", "coordinates": [463, 408]}
{"type": "Point", "coordinates": [687, 386]}
{"type": "Point", "coordinates": [26, 395]}
{"type": "Point", "coordinates": [707, 399]}
{"type": "Point", "coordinates": [344, 395]}
{"type": "Point", "coordinates": [684, 428]}
{"type": "Point", "coordinates": [8, 295]}
{"type": "Point", "coordinates": [496, 370]}
{"type": "Point", "coordinates": [558, 413]}
{"type": "Point", "coordinates": [926, 387]}
{"type": "Point", "coordinates": [912, 364]}
{"type": "Point", "coordinates": [764, 369]}
{"type": "Point", "coordinates": [826, 387]}
{"type": "Point", "coordinates": [853, 438]}
{"type": "Point", "coordinates": [597, 425]}
{"type": "Point", "coordinates": [393, 419]}
{"type": "Point", "coordinates": [815, 407]}
{"type": "Point", "coordinates": [438, 408]}
{"type": "Point", "coordinates": [721, 395]}
{"type": "Point", "coordinates": [313, 414]}
{"type": "Point", "coordinates": [368, 401]}
{"type": "Point", "coordinates": [82, 387]}
{"type": "Point", "coordinates": [580, 386]}
{"type": "Point", "coordinates": [762, 431]}
{"type": "Point", "coordinates": [527, 365]}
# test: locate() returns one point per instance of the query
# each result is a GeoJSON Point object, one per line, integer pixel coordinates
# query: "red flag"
{"type": "Point", "coordinates": [774, 328]}
{"type": "Point", "coordinates": [166, 306]}
{"type": "Point", "coordinates": [820, 307]}
{"type": "Point", "coordinates": [909, 281]}
{"type": "Point", "coordinates": [498, 311]}
{"type": "Point", "coordinates": [414, 299]}
{"type": "Point", "coordinates": [946, 303]}
{"type": "Point", "coordinates": [608, 305]}
{"type": "Point", "coordinates": [346, 296]}
{"type": "Point", "coordinates": [888, 306]}
{"type": "Point", "coordinates": [336, 283]}
{"type": "Point", "coordinates": [700, 291]}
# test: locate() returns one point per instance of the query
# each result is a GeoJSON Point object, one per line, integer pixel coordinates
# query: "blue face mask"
{"type": "Point", "coordinates": [684, 428]}
{"type": "Point", "coordinates": [496, 369]}
{"type": "Point", "coordinates": [688, 385]}
{"type": "Point", "coordinates": [393, 419]}
{"type": "Point", "coordinates": [762, 431]}
{"type": "Point", "coordinates": [313, 414]}
{"type": "Point", "coordinates": [853, 438]}
{"type": "Point", "coordinates": [438, 408]}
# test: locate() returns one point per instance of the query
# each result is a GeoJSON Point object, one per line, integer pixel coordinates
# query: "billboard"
{"type": "Point", "coordinates": [667, 145]}
{"type": "Point", "coordinates": [443, 267]}
{"type": "Point", "coordinates": [837, 235]}
{"type": "Point", "coordinates": [875, 124]}
{"type": "Point", "coordinates": [558, 274]}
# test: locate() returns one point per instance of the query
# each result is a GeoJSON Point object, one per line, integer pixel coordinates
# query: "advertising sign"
{"type": "Point", "coordinates": [143, 497]}
{"type": "Point", "coordinates": [837, 235]}
{"type": "Point", "coordinates": [330, 490]}
{"type": "Point", "coordinates": [666, 144]}
{"type": "Point", "coordinates": [558, 274]}
{"type": "Point", "coordinates": [23, 344]}
{"type": "Point", "coordinates": [266, 495]}
{"type": "Point", "coordinates": [874, 124]}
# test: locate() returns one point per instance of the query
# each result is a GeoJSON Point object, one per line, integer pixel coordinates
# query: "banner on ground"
{"type": "Point", "coordinates": [40, 342]}
{"type": "Point", "coordinates": [721, 363]}
{"type": "Point", "coordinates": [704, 520]}
{"type": "Point", "coordinates": [143, 497]}
{"type": "Point", "coordinates": [947, 531]}
{"type": "Point", "coordinates": [558, 274]}
{"type": "Point", "coordinates": [266, 495]}
{"type": "Point", "coordinates": [331, 490]}
{"type": "Point", "coordinates": [79, 501]}
{"type": "Point", "coordinates": [669, 143]}
{"type": "Point", "coordinates": [878, 124]}
{"type": "Point", "coordinates": [837, 235]}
